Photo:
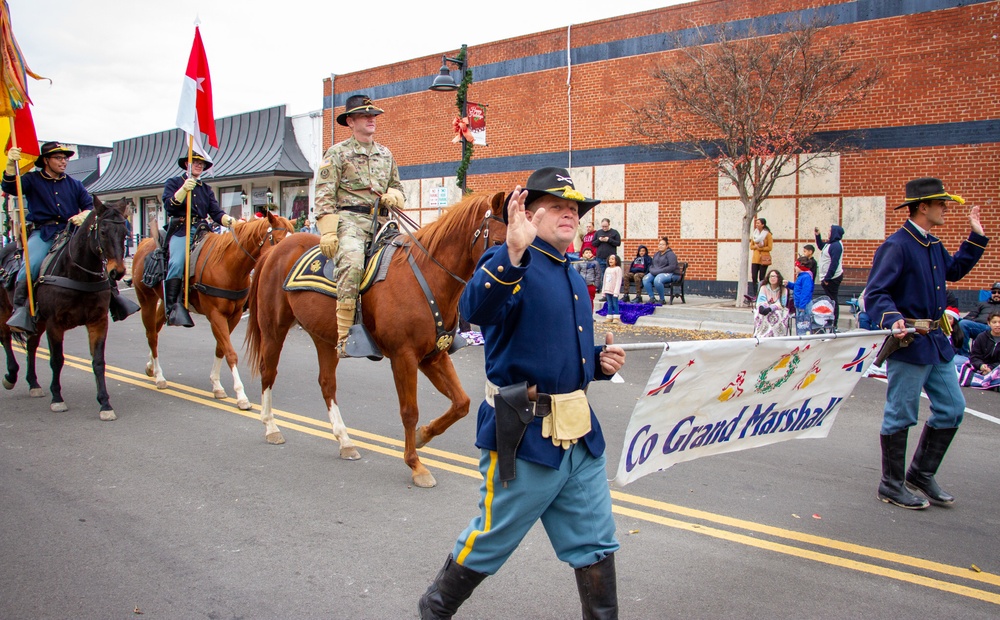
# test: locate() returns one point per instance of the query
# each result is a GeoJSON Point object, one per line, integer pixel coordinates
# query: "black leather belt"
{"type": "Point", "coordinates": [361, 209]}
{"type": "Point", "coordinates": [543, 405]}
{"type": "Point", "coordinates": [922, 326]}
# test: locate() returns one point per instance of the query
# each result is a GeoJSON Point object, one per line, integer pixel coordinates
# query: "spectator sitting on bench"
{"type": "Point", "coordinates": [664, 269]}
{"type": "Point", "coordinates": [976, 321]}
{"type": "Point", "coordinates": [636, 272]}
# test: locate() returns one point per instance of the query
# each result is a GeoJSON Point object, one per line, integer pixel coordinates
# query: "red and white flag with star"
{"type": "Point", "coordinates": [195, 116]}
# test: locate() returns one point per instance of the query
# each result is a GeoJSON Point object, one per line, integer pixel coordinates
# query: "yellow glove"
{"type": "Point", "coordinates": [393, 198]}
{"type": "Point", "coordinates": [229, 221]}
{"type": "Point", "coordinates": [13, 157]}
{"type": "Point", "coordinates": [77, 220]}
{"type": "Point", "coordinates": [182, 193]}
{"type": "Point", "coordinates": [329, 243]}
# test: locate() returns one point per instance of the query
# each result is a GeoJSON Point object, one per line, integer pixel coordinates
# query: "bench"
{"type": "Point", "coordinates": [678, 285]}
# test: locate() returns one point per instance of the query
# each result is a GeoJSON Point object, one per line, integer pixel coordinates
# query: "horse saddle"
{"type": "Point", "coordinates": [154, 269]}
{"type": "Point", "coordinates": [315, 272]}
{"type": "Point", "coordinates": [11, 260]}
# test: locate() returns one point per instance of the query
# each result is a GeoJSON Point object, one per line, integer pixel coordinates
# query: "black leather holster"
{"type": "Point", "coordinates": [514, 411]}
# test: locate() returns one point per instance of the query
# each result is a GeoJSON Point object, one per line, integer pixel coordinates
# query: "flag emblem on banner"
{"type": "Point", "coordinates": [669, 378]}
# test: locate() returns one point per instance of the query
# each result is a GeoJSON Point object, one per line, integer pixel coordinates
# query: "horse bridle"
{"type": "Point", "coordinates": [484, 229]}
{"type": "Point", "coordinates": [94, 239]}
{"type": "Point", "coordinates": [269, 236]}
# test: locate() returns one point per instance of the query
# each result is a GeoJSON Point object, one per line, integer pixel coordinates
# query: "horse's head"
{"type": "Point", "coordinates": [256, 235]}
{"type": "Point", "coordinates": [106, 231]}
{"type": "Point", "coordinates": [491, 230]}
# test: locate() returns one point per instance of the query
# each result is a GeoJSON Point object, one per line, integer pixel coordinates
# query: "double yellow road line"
{"type": "Point", "coordinates": [963, 581]}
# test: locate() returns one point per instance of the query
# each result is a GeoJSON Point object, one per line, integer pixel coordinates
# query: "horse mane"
{"type": "Point", "coordinates": [456, 220]}
{"type": "Point", "coordinates": [225, 240]}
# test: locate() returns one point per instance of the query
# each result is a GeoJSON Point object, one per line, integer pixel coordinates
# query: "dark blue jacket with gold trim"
{"type": "Point", "coordinates": [538, 327]}
{"type": "Point", "coordinates": [203, 202]}
{"type": "Point", "coordinates": [907, 280]}
{"type": "Point", "coordinates": [49, 200]}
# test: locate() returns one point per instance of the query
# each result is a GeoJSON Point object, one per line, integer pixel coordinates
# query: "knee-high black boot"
{"type": "Point", "coordinates": [933, 444]}
{"type": "Point", "coordinates": [177, 314]}
{"type": "Point", "coordinates": [20, 319]}
{"type": "Point", "coordinates": [891, 489]}
{"type": "Point", "coordinates": [120, 307]}
{"type": "Point", "coordinates": [452, 586]}
{"type": "Point", "coordinates": [598, 588]}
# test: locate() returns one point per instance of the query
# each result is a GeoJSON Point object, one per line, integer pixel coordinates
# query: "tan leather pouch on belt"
{"type": "Point", "coordinates": [569, 420]}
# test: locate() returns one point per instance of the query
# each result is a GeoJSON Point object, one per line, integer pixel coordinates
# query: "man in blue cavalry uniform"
{"type": "Point", "coordinates": [53, 202]}
{"type": "Point", "coordinates": [906, 288]}
{"type": "Point", "coordinates": [542, 446]}
{"type": "Point", "coordinates": [203, 205]}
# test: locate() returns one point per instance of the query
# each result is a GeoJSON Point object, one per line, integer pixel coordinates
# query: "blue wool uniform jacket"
{"type": "Point", "coordinates": [538, 327]}
{"type": "Point", "coordinates": [908, 279]}
{"type": "Point", "coordinates": [203, 202]}
{"type": "Point", "coordinates": [48, 199]}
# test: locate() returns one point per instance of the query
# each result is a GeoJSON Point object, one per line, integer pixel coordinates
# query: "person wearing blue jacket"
{"type": "Point", "coordinates": [53, 201]}
{"type": "Point", "coordinates": [540, 357]}
{"type": "Point", "coordinates": [906, 288]}
{"type": "Point", "coordinates": [803, 295]}
{"type": "Point", "coordinates": [831, 267]}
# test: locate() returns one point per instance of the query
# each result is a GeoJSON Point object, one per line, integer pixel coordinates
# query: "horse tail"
{"type": "Point", "coordinates": [253, 336]}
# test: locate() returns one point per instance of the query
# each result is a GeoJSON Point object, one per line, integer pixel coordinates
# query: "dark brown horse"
{"type": "Point", "coordinates": [221, 281]}
{"type": "Point", "coordinates": [399, 320]}
{"type": "Point", "coordinates": [75, 291]}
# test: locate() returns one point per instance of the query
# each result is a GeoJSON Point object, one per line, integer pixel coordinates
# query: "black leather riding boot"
{"type": "Point", "coordinates": [452, 586]}
{"type": "Point", "coordinates": [933, 444]}
{"type": "Point", "coordinates": [892, 490]}
{"type": "Point", "coordinates": [177, 314]}
{"type": "Point", "coordinates": [20, 319]}
{"type": "Point", "coordinates": [598, 587]}
{"type": "Point", "coordinates": [120, 307]}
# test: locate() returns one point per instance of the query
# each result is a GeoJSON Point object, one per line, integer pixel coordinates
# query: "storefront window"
{"type": "Point", "coordinates": [295, 200]}
{"type": "Point", "coordinates": [231, 201]}
{"type": "Point", "coordinates": [152, 214]}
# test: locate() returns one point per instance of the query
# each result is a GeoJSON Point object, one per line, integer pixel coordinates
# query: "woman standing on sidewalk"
{"type": "Point", "coordinates": [761, 244]}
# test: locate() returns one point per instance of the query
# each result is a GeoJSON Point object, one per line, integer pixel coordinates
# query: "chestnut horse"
{"type": "Point", "coordinates": [74, 291]}
{"type": "Point", "coordinates": [222, 275]}
{"type": "Point", "coordinates": [395, 314]}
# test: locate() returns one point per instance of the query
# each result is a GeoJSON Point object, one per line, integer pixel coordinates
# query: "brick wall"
{"type": "Point", "coordinates": [940, 71]}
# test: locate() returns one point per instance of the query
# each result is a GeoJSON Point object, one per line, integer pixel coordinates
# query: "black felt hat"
{"type": "Point", "coordinates": [51, 148]}
{"type": "Point", "coordinates": [555, 182]}
{"type": "Point", "coordinates": [927, 188]}
{"type": "Point", "coordinates": [358, 104]}
{"type": "Point", "coordinates": [182, 161]}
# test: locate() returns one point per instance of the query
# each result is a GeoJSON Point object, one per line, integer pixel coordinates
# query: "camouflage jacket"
{"type": "Point", "coordinates": [350, 176]}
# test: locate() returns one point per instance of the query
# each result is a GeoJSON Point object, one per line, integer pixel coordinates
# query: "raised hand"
{"type": "Point", "coordinates": [520, 231]}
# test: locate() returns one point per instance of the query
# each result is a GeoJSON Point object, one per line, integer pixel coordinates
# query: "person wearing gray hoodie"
{"type": "Point", "coordinates": [830, 271]}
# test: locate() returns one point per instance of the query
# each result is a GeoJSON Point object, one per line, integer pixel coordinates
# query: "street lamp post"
{"type": "Point", "coordinates": [444, 82]}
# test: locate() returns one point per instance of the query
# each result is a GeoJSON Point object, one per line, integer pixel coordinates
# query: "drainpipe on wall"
{"type": "Point", "coordinates": [569, 96]}
{"type": "Point", "coordinates": [333, 106]}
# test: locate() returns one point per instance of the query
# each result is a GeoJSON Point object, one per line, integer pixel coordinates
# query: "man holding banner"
{"type": "Point", "coordinates": [906, 289]}
{"type": "Point", "coordinates": [54, 201]}
{"type": "Point", "coordinates": [542, 446]}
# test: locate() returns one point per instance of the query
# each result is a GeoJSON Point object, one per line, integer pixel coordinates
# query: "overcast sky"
{"type": "Point", "coordinates": [117, 65]}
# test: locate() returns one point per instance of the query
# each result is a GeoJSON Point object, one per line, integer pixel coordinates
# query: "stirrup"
{"type": "Point", "coordinates": [21, 321]}
{"type": "Point", "coordinates": [359, 343]}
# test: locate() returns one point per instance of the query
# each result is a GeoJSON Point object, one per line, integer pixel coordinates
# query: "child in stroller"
{"type": "Point", "coordinates": [822, 315]}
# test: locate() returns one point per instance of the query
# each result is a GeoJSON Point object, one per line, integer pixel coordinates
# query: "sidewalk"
{"type": "Point", "coordinates": [717, 314]}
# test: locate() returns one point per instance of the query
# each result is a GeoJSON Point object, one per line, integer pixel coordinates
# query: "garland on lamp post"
{"type": "Point", "coordinates": [460, 100]}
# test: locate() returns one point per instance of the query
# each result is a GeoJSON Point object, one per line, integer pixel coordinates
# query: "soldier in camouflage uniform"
{"type": "Point", "coordinates": [353, 175]}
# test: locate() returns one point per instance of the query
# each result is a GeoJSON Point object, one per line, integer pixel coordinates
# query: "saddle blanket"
{"type": "Point", "coordinates": [314, 272]}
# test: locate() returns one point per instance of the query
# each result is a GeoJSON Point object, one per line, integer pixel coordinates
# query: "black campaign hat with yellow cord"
{"type": "Point", "coordinates": [554, 182]}
{"type": "Point", "coordinates": [927, 188]}
{"type": "Point", "coordinates": [183, 161]}
{"type": "Point", "coordinates": [358, 104]}
{"type": "Point", "coordinates": [52, 148]}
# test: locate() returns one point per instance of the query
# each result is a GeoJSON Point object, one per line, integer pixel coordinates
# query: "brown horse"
{"type": "Point", "coordinates": [221, 280]}
{"type": "Point", "coordinates": [400, 323]}
{"type": "Point", "coordinates": [74, 291]}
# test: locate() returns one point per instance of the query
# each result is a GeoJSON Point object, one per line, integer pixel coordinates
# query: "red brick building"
{"type": "Point", "coordinates": [561, 98]}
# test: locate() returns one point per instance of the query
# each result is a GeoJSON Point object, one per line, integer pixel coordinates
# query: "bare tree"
{"type": "Point", "coordinates": [755, 105]}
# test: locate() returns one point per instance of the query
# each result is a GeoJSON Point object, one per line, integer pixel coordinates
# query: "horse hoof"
{"type": "Point", "coordinates": [220, 394]}
{"type": "Point", "coordinates": [243, 405]}
{"type": "Point", "coordinates": [275, 439]}
{"type": "Point", "coordinates": [108, 416]}
{"type": "Point", "coordinates": [36, 393]}
{"type": "Point", "coordinates": [149, 370]}
{"type": "Point", "coordinates": [161, 385]}
{"type": "Point", "coordinates": [424, 481]}
{"type": "Point", "coordinates": [59, 407]}
{"type": "Point", "coordinates": [350, 454]}
{"type": "Point", "coordinates": [8, 385]}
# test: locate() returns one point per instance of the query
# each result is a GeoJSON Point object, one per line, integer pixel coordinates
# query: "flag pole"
{"type": "Point", "coordinates": [187, 223]}
{"type": "Point", "coordinates": [24, 228]}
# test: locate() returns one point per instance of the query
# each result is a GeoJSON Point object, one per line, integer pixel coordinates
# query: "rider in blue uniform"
{"type": "Point", "coordinates": [53, 201]}
{"type": "Point", "coordinates": [539, 338]}
{"type": "Point", "coordinates": [203, 205]}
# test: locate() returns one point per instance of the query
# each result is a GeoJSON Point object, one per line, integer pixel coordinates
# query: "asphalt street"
{"type": "Point", "coordinates": [179, 509]}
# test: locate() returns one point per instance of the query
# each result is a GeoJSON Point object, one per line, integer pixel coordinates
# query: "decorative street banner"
{"type": "Point", "coordinates": [477, 122]}
{"type": "Point", "coordinates": [711, 397]}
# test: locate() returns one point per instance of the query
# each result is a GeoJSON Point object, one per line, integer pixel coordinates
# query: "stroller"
{"type": "Point", "coordinates": [822, 315]}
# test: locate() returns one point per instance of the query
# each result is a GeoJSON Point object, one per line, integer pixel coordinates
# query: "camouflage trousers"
{"type": "Point", "coordinates": [354, 232]}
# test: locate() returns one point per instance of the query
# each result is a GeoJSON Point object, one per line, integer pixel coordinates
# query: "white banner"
{"type": "Point", "coordinates": [710, 397]}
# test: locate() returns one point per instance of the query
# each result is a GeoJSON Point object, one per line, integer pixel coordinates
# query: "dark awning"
{"type": "Point", "coordinates": [85, 170]}
{"type": "Point", "coordinates": [254, 144]}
